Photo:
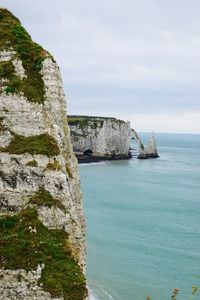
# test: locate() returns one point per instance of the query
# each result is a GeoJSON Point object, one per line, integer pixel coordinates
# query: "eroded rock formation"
{"type": "Point", "coordinates": [149, 151]}
{"type": "Point", "coordinates": [100, 137]}
{"type": "Point", "coordinates": [42, 226]}
{"type": "Point", "coordinates": [145, 152]}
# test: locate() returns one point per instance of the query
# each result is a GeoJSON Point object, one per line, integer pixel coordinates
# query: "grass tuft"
{"type": "Point", "coordinates": [53, 166]}
{"type": "Point", "coordinates": [44, 198]}
{"type": "Point", "coordinates": [37, 144]}
{"type": "Point", "coordinates": [32, 163]}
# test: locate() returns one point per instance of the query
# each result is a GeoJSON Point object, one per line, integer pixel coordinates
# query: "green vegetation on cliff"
{"type": "Point", "coordinates": [85, 121]}
{"type": "Point", "coordinates": [23, 248]}
{"type": "Point", "coordinates": [32, 163]}
{"type": "Point", "coordinates": [92, 121]}
{"type": "Point", "coordinates": [15, 38]}
{"type": "Point", "coordinates": [2, 128]}
{"type": "Point", "coordinates": [53, 166]}
{"type": "Point", "coordinates": [37, 144]}
{"type": "Point", "coordinates": [44, 198]}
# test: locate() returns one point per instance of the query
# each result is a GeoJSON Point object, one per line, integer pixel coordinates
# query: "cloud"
{"type": "Point", "coordinates": [121, 56]}
{"type": "Point", "coordinates": [168, 123]}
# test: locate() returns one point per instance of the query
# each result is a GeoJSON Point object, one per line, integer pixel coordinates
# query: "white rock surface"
{"type": "Point", "coordinates": [150, 151]}
{"type": "Point", "coordinates": [105, 137]}
{"type": "Point", "coordinates": [6, 55]}
{"type": "Point", "coordinates": [26, 287]}
{"type": "Point", "coordinates": [5, 138]}
{"type": "Point", "coordinates": [19, 69]}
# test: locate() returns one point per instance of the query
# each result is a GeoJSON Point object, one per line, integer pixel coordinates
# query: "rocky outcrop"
{"type": "Point", "coordinates": [136, 137]}
{"type": "Point", "coordinates": [145, 152]}
{"type": "Point", "coordinates": [42, 226]}
{"type": "Point", "coordinates": [150, 151]}
{"type": "Point", "coordinates": [99, 137]}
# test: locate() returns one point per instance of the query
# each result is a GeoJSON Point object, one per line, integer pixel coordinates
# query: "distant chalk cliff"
{"type": "Point", "coordinates": [100, 137]}
{"type": "Point", "coordinates": [104, 138]}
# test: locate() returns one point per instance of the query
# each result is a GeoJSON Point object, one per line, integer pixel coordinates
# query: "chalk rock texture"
{"type": "Point", "coordinates": [99, 136]}
{"type": "Point", "coordinates": [42, 225]}
{"type": "Point", "coordinates": [150, 151]}
{"type": "Point", "coordinates": [145, 152]}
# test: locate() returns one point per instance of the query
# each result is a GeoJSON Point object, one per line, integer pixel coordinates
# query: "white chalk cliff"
{"type": "Point", "coordinates": [99, 136]}
{"type": "Point", "coordinates": [42, 225]}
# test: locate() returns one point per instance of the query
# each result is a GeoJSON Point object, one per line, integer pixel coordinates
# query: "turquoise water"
{"type": "Point", "coordinates": [143, 221]}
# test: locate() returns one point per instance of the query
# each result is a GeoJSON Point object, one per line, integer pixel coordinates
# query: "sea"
{"type": "Point", "coordinates": [143, 223]}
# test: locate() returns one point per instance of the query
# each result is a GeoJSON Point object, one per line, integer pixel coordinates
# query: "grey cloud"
{"type": "Point", "coordinates": [121, 55]}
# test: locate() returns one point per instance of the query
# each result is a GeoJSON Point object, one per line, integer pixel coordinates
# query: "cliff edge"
{"type": "Point", "coordinates": [42, 226]}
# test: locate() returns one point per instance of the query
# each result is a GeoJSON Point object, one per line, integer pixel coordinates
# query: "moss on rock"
{"type": "Point", "coordinates": [32, 163]}
{"type": "Point", "coordinates": [14, 37]}
{"type": "Point", "coordinates": [2, 127]}
{"type": "Point", "coordinates": [53, 166]}
{"type": "Point", "coordinates": [22, 248]}
{"type": "Point", "coordinates": [85, 121]}
{"type": "Point", "coordinates": [6, 69]}
{"type": "Point", "coordinates": [37, 144]}
{"type": "Point", "coordinates": [44, 198]}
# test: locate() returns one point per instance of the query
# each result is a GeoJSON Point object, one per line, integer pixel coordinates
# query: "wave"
{"type": "Point", "coordinates": [105, 294]}
{"type": "Point", "coordinates": [92, 295]}
{"type": "Point", "coordinates": [92, 164]}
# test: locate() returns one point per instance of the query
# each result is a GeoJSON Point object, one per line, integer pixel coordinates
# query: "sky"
{"type": "Point", "coordinates": [137, 60]}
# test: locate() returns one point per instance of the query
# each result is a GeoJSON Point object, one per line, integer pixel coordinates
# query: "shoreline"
{"type": "Point", "coordinates": [83, 159]}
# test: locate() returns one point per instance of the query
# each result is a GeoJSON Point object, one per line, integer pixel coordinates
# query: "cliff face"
{"type": "Point", "coordinates": [100, 137]}
{"type": "Point", "coordinates": [42, 226]}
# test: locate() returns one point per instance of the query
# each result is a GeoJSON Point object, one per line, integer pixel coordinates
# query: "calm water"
{"type": "Point", "coordinates": [144, 223]}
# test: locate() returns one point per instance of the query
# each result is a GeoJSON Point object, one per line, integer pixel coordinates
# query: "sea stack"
{"type": "Point", "coordinates": [150, 151]}
{"type": "Point", "coordinates": [42, 225]}
{"type": "Point", "coordinates": [100, 138]}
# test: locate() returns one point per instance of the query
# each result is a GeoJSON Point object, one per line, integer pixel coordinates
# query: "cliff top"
{"type": "Point", "coordinates": [79, 119]}
{"type": "Point", "coordinates": [16, 40]}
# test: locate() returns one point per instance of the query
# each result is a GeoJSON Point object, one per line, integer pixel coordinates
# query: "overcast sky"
{"type": "Point", "coordinates": [137, 60]}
